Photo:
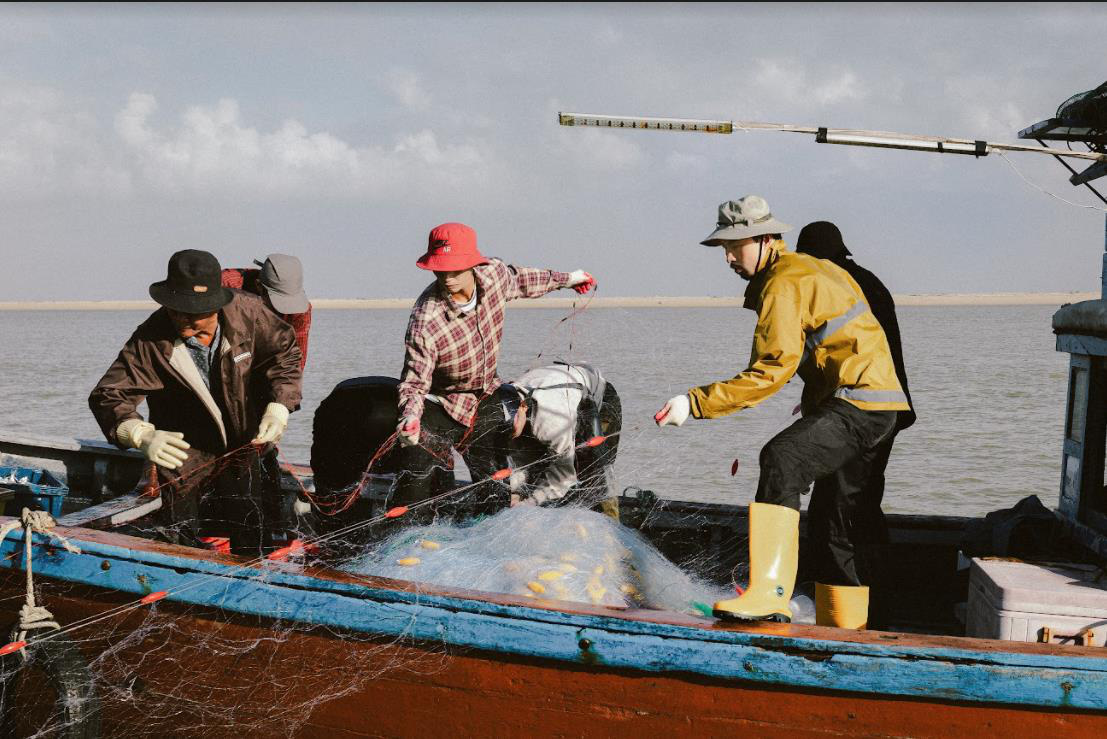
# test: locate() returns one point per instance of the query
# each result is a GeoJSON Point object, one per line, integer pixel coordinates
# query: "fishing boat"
{"type": "Point", "coordinates": [169, 640]}
{"type": "Point", "coordinates": [479, 663]}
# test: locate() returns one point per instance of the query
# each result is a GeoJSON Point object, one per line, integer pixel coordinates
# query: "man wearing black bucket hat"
{"type": "Point", "coordinates": [218, 370]}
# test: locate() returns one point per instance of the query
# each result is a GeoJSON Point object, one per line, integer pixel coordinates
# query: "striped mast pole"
{"type": "Point", "coordinates": [824, 135]}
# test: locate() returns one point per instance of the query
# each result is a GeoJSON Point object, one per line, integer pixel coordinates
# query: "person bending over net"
{"type": "Point", "coordinates": [353, 427]}
{"type": "Point", "coordinates": [354, 433]}
{"type": "Point", "coordinates": [561, 408]}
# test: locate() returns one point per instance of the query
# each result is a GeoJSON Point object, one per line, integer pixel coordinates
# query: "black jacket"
{"type": "Point", "coordinates": [884, 308]}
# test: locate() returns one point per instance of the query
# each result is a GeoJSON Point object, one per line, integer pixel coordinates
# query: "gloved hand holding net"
{"type": "Point", "coordinates": [164, 448]}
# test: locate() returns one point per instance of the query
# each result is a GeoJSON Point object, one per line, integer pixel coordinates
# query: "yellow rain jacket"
{"type": "Point", "coordinates": [811, 318]}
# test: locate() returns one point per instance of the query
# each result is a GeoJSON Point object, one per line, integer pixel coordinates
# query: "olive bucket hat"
{"type": "Point", "coordinates": [744, 219]}
{"type": "Point", "coordinates": [193, 284]}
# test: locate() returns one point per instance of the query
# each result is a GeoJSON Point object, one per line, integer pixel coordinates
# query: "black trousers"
{"type": "Point", "coordinates": [843, 450]}
{"type": "Point", "coordinates": [484, 451]}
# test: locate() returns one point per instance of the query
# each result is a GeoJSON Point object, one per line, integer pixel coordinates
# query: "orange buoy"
{"type": "Point", "coordinates": [15, 646]}
{"type": "Point", "coordinates": [152, 597]}
{"type": "Point", "coordinates": [595, 441]}
{"type": "Point", "coordinates": [279, 554]}
{"type": "Point", "coordinates": [396, 512]}
{"type": "Point", "coordinates": [502, 474]}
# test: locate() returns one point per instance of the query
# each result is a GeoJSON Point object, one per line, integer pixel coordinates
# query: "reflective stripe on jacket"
{"type": "Point", "coordinates": [812, 319]}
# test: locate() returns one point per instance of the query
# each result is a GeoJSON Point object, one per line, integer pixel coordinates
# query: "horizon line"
{"type": "Point", "coordinates": [904, 299]}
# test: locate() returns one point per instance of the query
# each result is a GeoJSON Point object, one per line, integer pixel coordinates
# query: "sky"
{"type": "Point", "coordinates": [343, 134]}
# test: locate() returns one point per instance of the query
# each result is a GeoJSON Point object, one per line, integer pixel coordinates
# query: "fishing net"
{"type": "Point", "coordinates": [568, 554]}
{"type": "Point", "coordinates": [152, 667]}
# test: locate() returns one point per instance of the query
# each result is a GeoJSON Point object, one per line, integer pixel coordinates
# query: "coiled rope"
{"type": "Point", "coordinates": [33, 616]}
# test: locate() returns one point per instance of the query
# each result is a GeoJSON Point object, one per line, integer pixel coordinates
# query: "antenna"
{"type": "Point", "coordinates": [823, 135]}
{"type": "Point", "coordinates": [1080, 119]}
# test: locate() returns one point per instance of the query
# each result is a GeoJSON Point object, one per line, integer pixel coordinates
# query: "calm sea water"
{"type": "Point", "coordinates": [988, 385]}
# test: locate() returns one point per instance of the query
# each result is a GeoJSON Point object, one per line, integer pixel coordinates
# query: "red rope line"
{"type": "Point", "coordinates": [346, 500]}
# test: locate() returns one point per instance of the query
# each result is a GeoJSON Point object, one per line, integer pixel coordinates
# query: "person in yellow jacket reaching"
{"type": "Point", "coordinates": [812, 319]}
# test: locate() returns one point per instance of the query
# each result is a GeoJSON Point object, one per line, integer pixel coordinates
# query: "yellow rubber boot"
{"type": "Point", "coordinates": [774, 557]}
{"type": "Point", "coordinates": [844, 606]}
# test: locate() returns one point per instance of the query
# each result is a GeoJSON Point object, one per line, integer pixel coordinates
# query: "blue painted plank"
{"type": "Point", "coordinates": [231, 575]}
{"type": "Point", "coordinates": [948, 674]}
{"type": "Point", "coordinates": [284, 576]}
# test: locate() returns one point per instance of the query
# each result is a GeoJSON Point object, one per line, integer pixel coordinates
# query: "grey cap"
{"type": "Point", "coordinates": [283, 278]}
{"type": "Point", "coordinates": [744, 219]}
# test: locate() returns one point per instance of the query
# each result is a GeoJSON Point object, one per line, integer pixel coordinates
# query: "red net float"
{"type": "Point", "coordinates": [14, 646]}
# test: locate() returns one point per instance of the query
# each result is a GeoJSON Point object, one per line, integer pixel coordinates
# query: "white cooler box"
{"type": "Point", "coordinates": [1049, 603]}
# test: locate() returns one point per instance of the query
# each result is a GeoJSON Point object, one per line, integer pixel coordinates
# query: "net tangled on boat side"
{"type": "Point", "coordinates": [567, 554]}
{"type": "Point", "coordinates": [169, 668]}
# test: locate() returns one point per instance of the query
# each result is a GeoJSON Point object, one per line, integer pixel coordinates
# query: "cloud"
{"type": "Point", "coordinates": [598, 151]}
{"type": "Point", "coordinates": [404, 84]}
{"type": "Point", "coordinates": [48, 144]}
{"type": "Point", "coordinates": [791, 81]}
{"type": "Point", "coordinates": [679, 161]}
{"type": "Point", "coordinates": [983, 104]}
{"type": "Point", "coordinates": [841, 88]}
{"type": "Point", "coordinates": [214, 150]}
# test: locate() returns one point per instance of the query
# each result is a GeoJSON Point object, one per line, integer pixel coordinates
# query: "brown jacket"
{"type": "Point", "coordinates": [259, 363]}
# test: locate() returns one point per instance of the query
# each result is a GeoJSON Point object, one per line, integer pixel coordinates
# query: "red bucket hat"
{"type": "Point", "coordinates": [451, 247]}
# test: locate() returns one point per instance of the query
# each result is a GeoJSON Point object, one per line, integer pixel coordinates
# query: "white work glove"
{"type": "Point", "coordinates": [273, 423]}
{"type": "Point", "coordinates": [163, 448]}
{"type": "Point", "coordinates": [675, 412]}
{"type": "Point", "coordinates": [409, 431]}
{"type": "Point", "coordinates": [581, 281]}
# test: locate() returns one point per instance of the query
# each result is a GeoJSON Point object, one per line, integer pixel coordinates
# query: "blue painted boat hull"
{"type": "Point", "coordinates": [393, 633]}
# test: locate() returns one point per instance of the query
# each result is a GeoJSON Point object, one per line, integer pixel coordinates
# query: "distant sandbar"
{"type": "Point", "coordinates": [630, 302]}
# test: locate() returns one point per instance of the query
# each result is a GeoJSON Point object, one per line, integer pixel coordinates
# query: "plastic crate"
{"type": "Point", "coordinates": [42, 491]}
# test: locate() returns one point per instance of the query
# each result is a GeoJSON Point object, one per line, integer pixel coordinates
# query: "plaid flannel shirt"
{"type": "Point", "coordinates": [453, 354]}
{"type": "Point", "coordinates": [249, 281]}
